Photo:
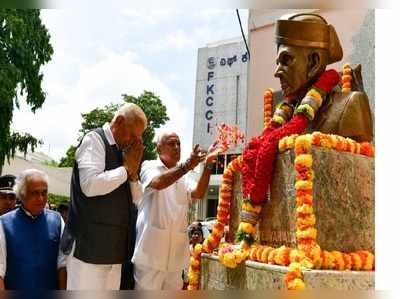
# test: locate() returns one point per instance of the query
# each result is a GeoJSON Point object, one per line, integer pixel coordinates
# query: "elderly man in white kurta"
{"type": "Point", "coordinates": [162, 245]}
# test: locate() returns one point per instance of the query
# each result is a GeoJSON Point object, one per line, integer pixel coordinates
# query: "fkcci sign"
{"type": "Point", "coordinates": [211, 64]}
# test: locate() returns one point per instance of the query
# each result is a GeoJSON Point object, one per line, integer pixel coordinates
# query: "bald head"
{"type": "Point", "coordinates": [133, 113]}
{"type": "Point", "coordinates": [128, 125]}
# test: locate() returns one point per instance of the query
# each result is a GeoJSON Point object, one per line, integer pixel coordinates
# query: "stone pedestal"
{"type": "Point", "coordinates": [343, 202]}
{"type": "Point", "coordinates": [256, 276]}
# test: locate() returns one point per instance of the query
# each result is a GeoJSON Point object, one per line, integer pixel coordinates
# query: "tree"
{"type": "Point", "coordinates": [24, 48]}
{"type": "Point", "coordinates": [152, 106]}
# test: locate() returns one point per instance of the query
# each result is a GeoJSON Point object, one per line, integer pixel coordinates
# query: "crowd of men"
{"type": "Point", "coordinates": [125, 226]}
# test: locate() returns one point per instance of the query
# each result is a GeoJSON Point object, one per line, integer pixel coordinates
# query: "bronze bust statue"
{"type": "Point", "coordinates": [306, 44]}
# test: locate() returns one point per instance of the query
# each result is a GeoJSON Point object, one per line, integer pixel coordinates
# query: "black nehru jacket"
{"type": "Point", "coordinates": [101, 225]}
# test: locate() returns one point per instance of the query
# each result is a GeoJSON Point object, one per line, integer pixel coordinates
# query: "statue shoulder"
{"type": "Point", "coordinates": [356, 118]}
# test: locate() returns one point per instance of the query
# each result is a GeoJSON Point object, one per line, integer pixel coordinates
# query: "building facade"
{"type": "Point", "coordinates": [220, 97]}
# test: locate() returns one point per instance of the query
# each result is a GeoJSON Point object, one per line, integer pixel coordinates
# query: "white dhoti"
{"type": "Point", "coordinates": [151, 279]}
{"type": "Point", "coordinates": [86, 276]}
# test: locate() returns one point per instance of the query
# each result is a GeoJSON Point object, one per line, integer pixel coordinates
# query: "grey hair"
{"type": "Point", "coordinates": [162, 135]}
{"type": "Point", "coordinates": [132, 112]}
{"type": "Point", "coordinates": [22, 179]}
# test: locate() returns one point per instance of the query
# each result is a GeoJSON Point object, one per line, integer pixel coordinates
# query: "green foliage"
{"type": "Point", "coordinates": [51, 163]}
{"type": "Point", "coordinates": [248, 238]}
{"type": "Point", "coordinates": [55, 199]}
{"type": "Point", "coordinates": [97, 118]}
{"type": "Point", "coordinates": [69, 159]}
{"type": "Point", "coordinates": [24, 48]}
{"type": "Point", "coordinates": [152, 106]}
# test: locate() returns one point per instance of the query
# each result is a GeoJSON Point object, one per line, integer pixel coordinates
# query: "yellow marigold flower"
{"type": "Point", "coordinates": [304, 160]}
{"type": "Point", "coordinates": [315, 255]}
{"type": "Point", "coordinates": [309, 111]}
{"type": "Point", "coordinates": [358, 148]}
{"type": "Point", "coordinates": [309, 233]}
{"type": "Point", "coordinates": [356, 261]}
{"type": "Point", "coordinates": [328, 260]}
{"type": "Point", "coordinates": [326, 141]}
{"type": "Point", "coordinates": [296, 284]}
{"type": "Point", "coordinates": [303, 144]}
{"type": "Point", "coordinates": [316, 96]}
{"type": "Point", "coordinates": [198, 248]}
{"type": "Point", "coordinates": [352, 145]}
{"type": "Point", "coordinates": [193, 277]}
{"type": "Point", "coordinates": [307, 263]}
{"type": "Point", "coordinates": [301, 184]}
{"type": "Point", "coordinates": [305, 209]}
{"type": "Point", "coordinates": [334, 140]}
{"type": "Point", "coordinates": [308, 220]}
{"type": "Point", "coordinates": [295, 268]}
{"type": "Point", "coordinates": [194, 262]}
{"type": "Point", "coordinates": [282, 257]}
{"type": "Point", "coordinates": [248, 228]}
{"type": "Point", "coordinates": [282, 144]}
{"type": "Point", "coordinates": [291, 140]}
{"type": "Point", "coordinates": [369, 263]}
{"type": "Point", "coordinates": [296, 256]}
{"type": "Point", "coordinates": [339, 260]}
{"type": "Point", "coordinates": [240, 255]}
{"type": "Point", "coordinates": [229, 260]}
{"type": "Point", "coordinates": [251, 208]}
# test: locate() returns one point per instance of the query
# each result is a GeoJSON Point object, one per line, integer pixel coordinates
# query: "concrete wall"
{"type": "Point", "coordinates": [355, 29]}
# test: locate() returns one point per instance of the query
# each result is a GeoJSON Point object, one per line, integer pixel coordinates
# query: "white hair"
{"type": "Point", "coordinates": [22, 179]}
{"type": "Point", "coordinates": [132, 112]}
{"type": "Point", "coordinates": [163, 134]}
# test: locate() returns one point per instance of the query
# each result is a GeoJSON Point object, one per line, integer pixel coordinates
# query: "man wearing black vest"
{"type": "Point", "coordinates": [102, 215]}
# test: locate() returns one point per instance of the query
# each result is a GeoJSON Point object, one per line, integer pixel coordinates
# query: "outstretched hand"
{"type": "Point", "coordinates": [196, 156]}
{"type": "Point", "coordinates": [213, 152]}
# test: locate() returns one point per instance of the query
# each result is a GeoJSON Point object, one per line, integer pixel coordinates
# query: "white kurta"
{"type": "Point", "coordinates": [162, 243]}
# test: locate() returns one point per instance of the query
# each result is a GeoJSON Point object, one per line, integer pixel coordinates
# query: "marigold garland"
{"type": "Point", "coordinates": [308, 254]}
{"type": "Point", "coordinates": [268, 98]}
{"type": "Point", "coordinates": [260, 153]}
{"type": "Point", "coordinates": [223, 213]}
{"type": "Point", "coordinates": [346, 78]}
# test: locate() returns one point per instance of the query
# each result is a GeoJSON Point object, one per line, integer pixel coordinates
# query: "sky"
{"type": "Point", "coordinates": [100, 54]}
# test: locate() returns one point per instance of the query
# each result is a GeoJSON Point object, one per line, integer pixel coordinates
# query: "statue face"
{"type": "Point", "coordinates": [292, 70]}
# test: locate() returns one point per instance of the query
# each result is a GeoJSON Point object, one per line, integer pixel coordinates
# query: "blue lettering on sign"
{"type": "Point", "coordinates": [230, 60]}
{"type": "Point", "coordinates": [209, 101]}
{"type": "Point", "coordinates": [209, 115]}
{"type": "Point", "coordinates": [210, 76]}
{"type": "Point", "coordinates": [210, 89]}
{"type": "Point", "coordinates": [208, 128]}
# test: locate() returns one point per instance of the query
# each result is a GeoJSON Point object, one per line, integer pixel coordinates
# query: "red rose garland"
{"type": "Point", "coordinates": [259, 155]}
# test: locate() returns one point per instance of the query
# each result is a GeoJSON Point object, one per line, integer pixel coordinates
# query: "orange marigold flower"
{"type": "Point", "coordinates": [356, 261]}
{"type": "Point", "coordinates": [265, 253]}
{"type": "Point", "coordinates": [304, 199]}
{"type": "Point", "coordinates": [271, 256]}
{"type": "Point", "coordinates": [367, 149]}
{"type": "Point", "coordinates": [302, 144]}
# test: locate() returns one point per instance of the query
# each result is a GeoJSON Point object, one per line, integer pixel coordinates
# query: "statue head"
{"type": "Point", "coordinates": [306, 44]}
